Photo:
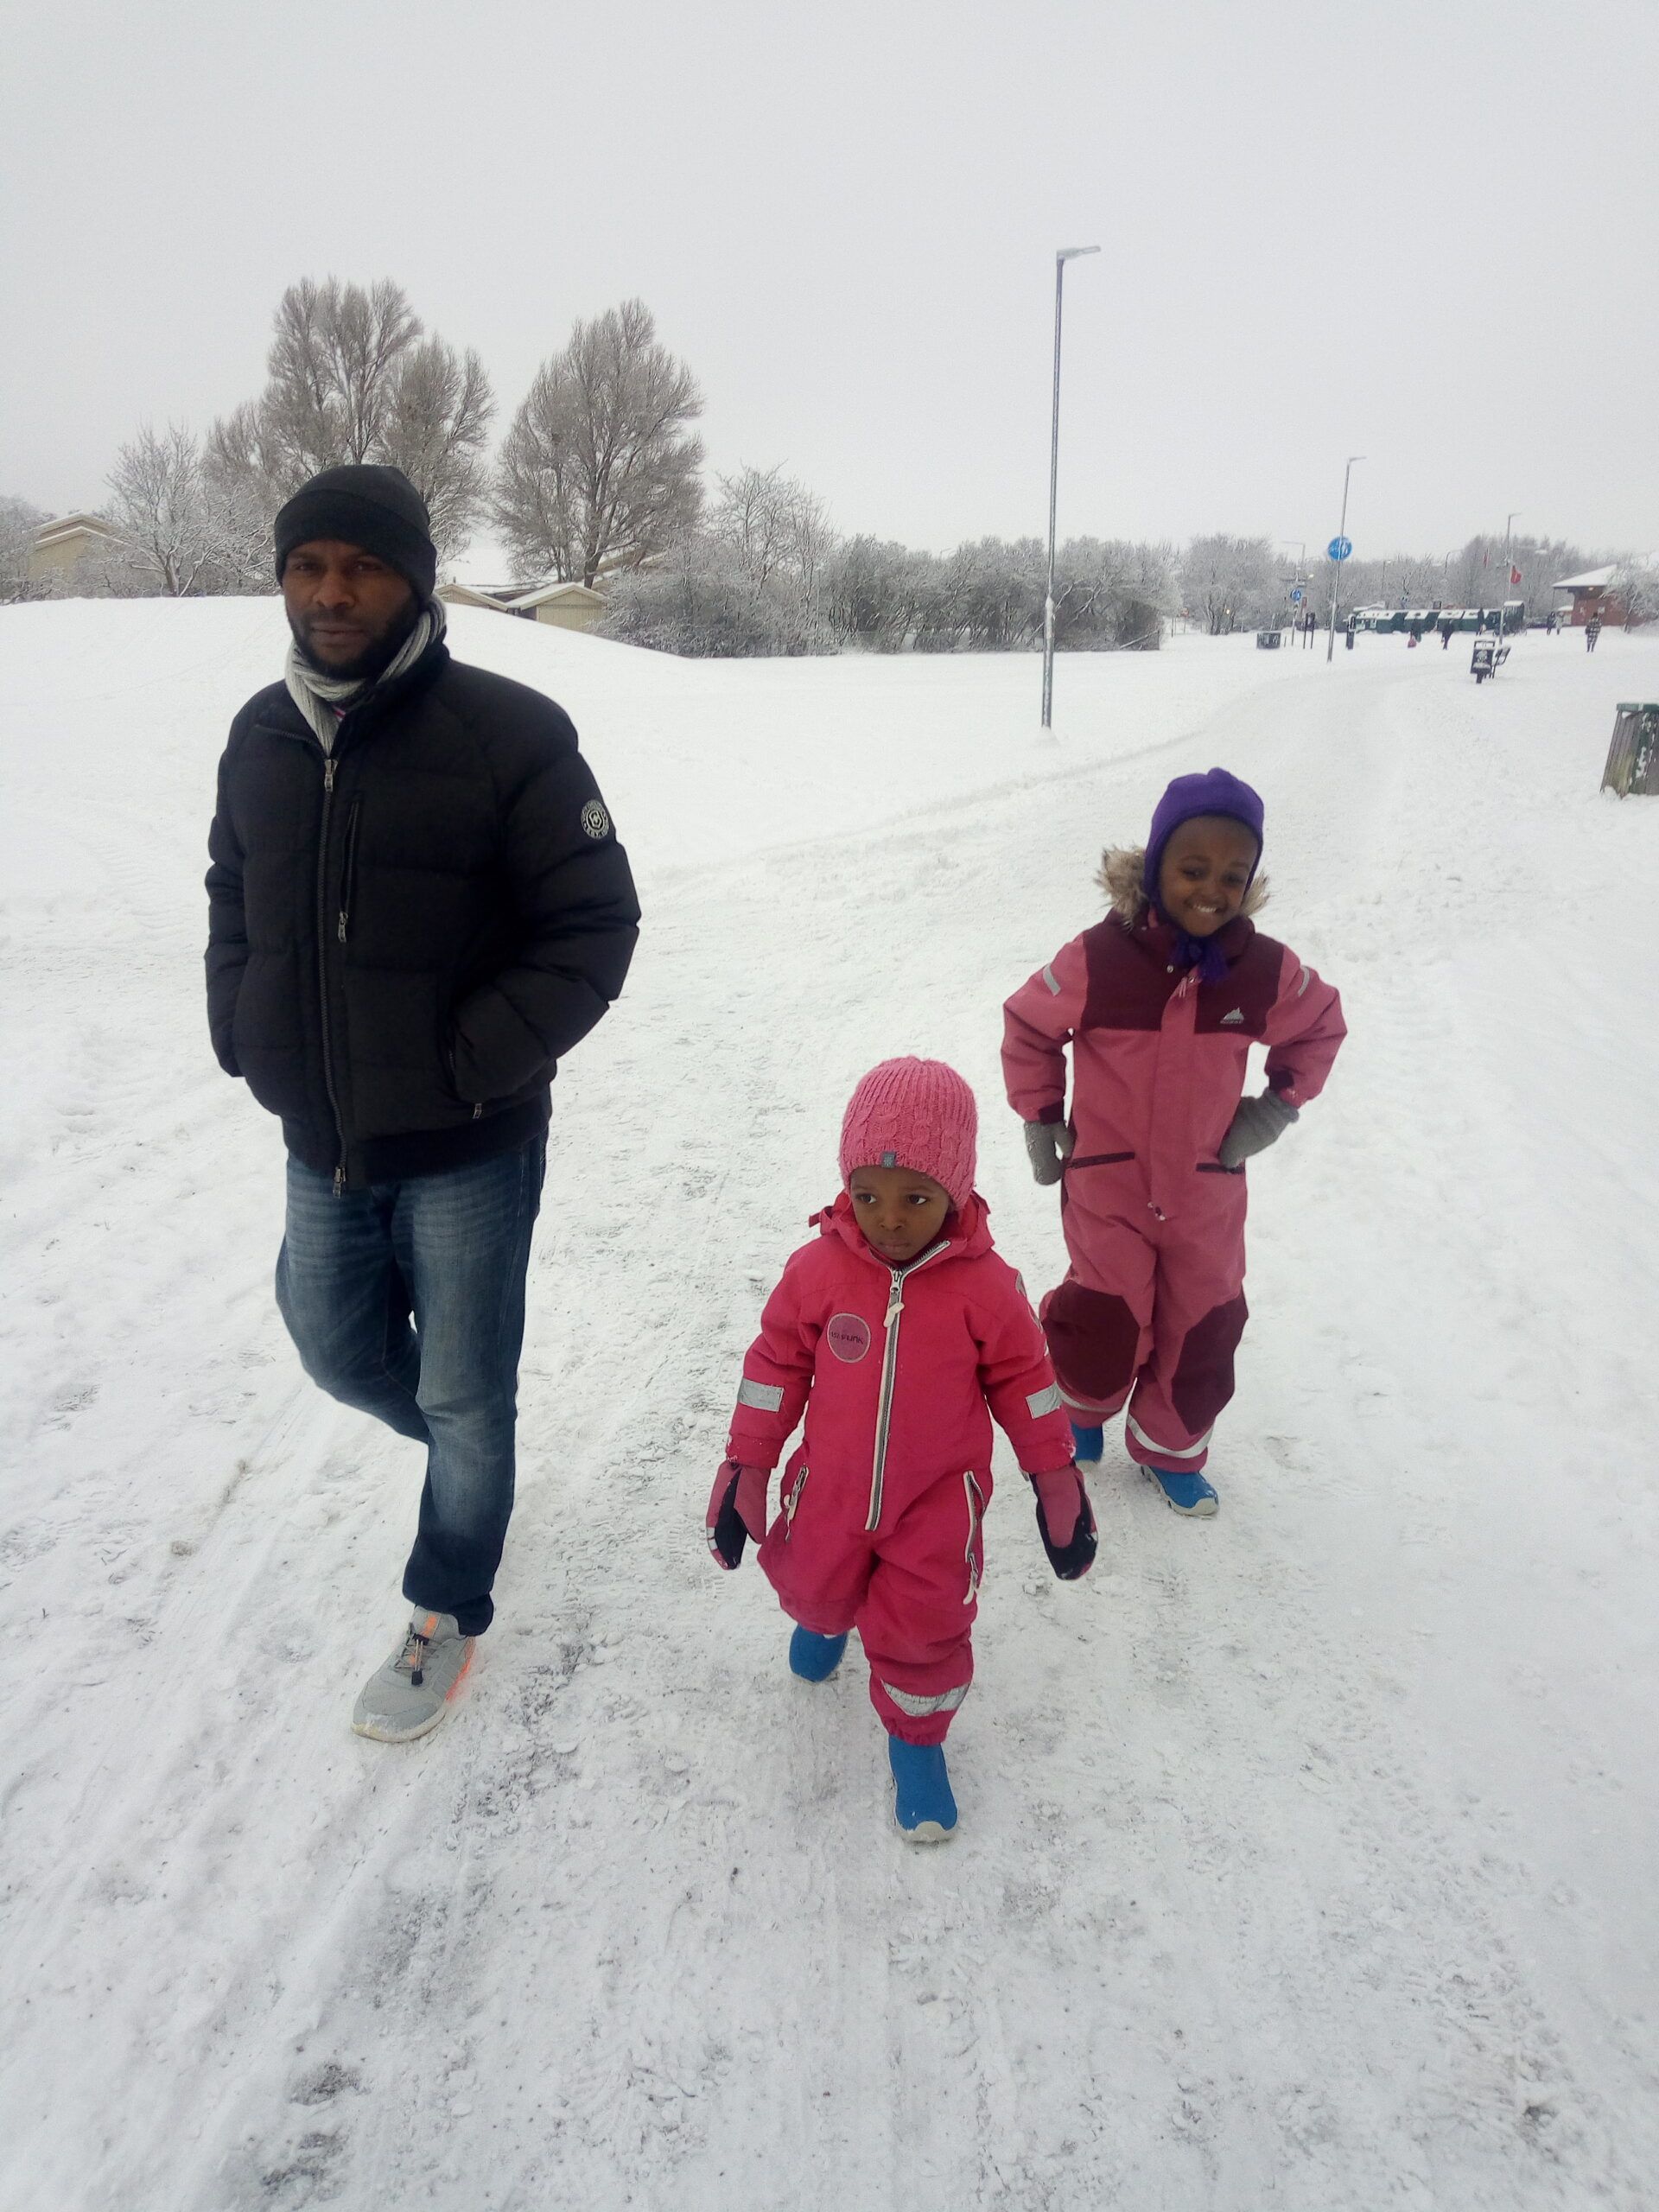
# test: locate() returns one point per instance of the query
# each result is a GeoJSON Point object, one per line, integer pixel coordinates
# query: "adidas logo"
{"type": "Point", "coordinates": [1237, 1015]}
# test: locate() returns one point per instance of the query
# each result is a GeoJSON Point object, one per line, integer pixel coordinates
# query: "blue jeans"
{"type": "Point", "coordinates": [447, 1253]}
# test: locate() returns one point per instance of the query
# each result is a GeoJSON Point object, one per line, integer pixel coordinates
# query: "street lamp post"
{"type": "Point", "coordinates": [1336, 566]}
{"type": "Point", "coordinates": [1066, 253]}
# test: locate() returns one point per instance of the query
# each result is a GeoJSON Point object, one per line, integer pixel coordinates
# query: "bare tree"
{"type": "Point", "coordinates": [436, 429]}
{"type": "Point", "coordinates": [352, 378]}
{"type": "Point", "coordinates": [333, 364]}
{"type": "Point", "coordinates": [598, 471]}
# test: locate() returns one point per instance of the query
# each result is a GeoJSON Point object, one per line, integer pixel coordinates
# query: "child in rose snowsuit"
{"type": "Point", "coordinates": [1161, 1003]}
{"type": "Point", "coordinates": [893, 1329]}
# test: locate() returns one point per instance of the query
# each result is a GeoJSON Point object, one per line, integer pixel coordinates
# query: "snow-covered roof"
{"type": "Point", "coordinates": [543, 593]}
{"type": "Point", "coordinates": [68, 525]}
{"type": "Point", "coordinates": [457, 594]}
{"type": "Point", "coordinates": [1591, 579]}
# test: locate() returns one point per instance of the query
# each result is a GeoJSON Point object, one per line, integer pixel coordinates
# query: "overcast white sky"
{"type": "Point", "coordinates": [1428, 233]}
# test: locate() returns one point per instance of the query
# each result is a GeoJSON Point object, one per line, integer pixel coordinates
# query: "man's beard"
{"type": "Point", "coordinates": [371, 660]}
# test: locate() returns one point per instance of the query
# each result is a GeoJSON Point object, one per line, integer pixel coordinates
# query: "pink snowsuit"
{"type": "Point", "coordinates": [1152, 1308]}
{"type": "Point", "coordinates": [879, 1525]}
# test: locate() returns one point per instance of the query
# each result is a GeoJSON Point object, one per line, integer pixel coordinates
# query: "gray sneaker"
{"type": "Point", "coordinates": [411, 1692]}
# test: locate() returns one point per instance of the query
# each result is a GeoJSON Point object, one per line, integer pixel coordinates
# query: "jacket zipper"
{"type": "Point", "coordinates": [889, 1368]}
{"type": "Point", "coordinates": [322, 965]}
{"type": "Point", "coordinates": [348, 878]}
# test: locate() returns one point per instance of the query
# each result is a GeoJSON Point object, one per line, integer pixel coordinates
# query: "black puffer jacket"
{"type": "Point", "coordinates": [406, 937]}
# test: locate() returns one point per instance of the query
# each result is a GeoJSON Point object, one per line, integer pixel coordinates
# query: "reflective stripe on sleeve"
{"type": "Point", "coordinates": [1048, 977]}
{"type": "Point", "coordinates": [765, 1397]}
{"type": "Point", "coordinates": [1044, 1401]}
{"type": "Point", "coordinates": [919, 1708]}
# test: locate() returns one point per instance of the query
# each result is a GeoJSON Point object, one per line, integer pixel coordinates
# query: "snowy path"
{"type": "Point", "coordinates": [1303, 1851]}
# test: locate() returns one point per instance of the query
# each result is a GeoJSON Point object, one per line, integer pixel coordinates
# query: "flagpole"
{"type": "Point", "coordinates": [1509, 570]}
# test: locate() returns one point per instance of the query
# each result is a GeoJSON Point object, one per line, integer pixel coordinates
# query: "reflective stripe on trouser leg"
{"type": "Point", "coordinates": [1172, 1451]}
{"type": "Point", "coordinates": [1094, 1410]}
{"type": "Point", "coordinates": [918, 1707]}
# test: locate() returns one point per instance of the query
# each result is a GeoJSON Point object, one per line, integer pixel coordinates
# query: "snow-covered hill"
{"type": "Point", "coordinates": [1306, 1854]}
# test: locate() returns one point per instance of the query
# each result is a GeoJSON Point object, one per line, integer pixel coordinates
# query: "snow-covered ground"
{"type": "Point", "coordinates": [1307, 1854]}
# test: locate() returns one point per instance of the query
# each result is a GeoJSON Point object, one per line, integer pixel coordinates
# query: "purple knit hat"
{"type": "Point", "coordinates": [914, 1114]}
{"type": "Point", "coordinates": [1215, 792]}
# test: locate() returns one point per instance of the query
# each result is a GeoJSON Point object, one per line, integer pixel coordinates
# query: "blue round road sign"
{"type": "Point", "coordinates": [1296, 596]}
{"type": "Point", "coordinates": [1340, 548]}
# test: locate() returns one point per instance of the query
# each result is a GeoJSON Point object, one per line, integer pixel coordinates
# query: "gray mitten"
{"type": "Point", "coordinates": [1258, 1124]}
{"type": "Point", "coordinates": [1048, 1147]}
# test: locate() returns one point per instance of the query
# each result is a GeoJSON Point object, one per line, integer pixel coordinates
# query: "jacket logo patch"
{"type": "Point", "coordinates": [594, 821]}
{"type": "Point", "coordinates": [847, 1336]}
{"type": "Point", "coordinates": [1236, 1015]}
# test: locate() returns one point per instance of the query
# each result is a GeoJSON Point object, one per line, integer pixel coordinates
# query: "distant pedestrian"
{"type": "Point", "coordinates": [1445, 627]}
{"type": "Point", "coordinates": [417, 907]}
{"type": "Point", "coordinates": [1591, 632]}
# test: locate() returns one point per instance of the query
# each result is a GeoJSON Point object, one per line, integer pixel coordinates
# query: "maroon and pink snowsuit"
{"type": "Point", "coordinates": [878, 1522]}
{"type": "Point", "coordinates": [1152, 1308]}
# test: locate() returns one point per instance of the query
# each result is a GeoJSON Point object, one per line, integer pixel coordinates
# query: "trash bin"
{"type": "Point", "coordinates": [1633, 757]}
{"type": "Point", "coordinates": [1268, 640]}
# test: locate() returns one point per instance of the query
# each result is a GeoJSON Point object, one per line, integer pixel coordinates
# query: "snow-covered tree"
{"type": "Point", "coordinates": [1232, 583]}
{"type": "Point", "coordinates": [1111, 595]}
{"type": "Point", "coordinates": [159, 506]}
{"type": "Point", "coordinates": [18, 524]}
{"type": "Point", "coordinates": [697, 601]}
{"type": "Point", "coordinates": [1636, 582]}
{"type": "Point", "coordinates": [599, 471]}
{"type": "Point", "coordinates": [869, 593]}
{"type": "Point", "coordinates": [778, 537]}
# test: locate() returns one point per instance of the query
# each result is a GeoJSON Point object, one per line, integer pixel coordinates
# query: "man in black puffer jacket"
{"type": "Point", "coordinates": [417, 907]}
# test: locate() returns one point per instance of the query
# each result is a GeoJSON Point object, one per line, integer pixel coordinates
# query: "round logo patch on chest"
{"type": "Point", "coordinates": [847, 1336]}
{"type": "Point", "coordinates": [594, 820]}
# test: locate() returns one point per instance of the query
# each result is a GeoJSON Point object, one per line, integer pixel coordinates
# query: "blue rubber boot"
{"type": "Point", "coordinates": [1089, 1445]}
{"type": "Point", "coordinates": [814, 1658]}
{"type": "Point", "coordinates": [1188, 1494]}
{"type": "Point", "coordinates": [922, 1804]}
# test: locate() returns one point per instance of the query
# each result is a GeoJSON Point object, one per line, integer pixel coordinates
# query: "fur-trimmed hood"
{"type": "Point", "coordinates": [1122, 872]}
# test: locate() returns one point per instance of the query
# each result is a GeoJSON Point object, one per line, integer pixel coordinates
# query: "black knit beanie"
{"type": "Point", "coordinates": [376, 508]}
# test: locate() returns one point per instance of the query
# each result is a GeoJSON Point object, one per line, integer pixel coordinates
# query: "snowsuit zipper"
{"type": "Point", "coordinates": [976, 1498]}
{"type": "Point", "coordinates": [889, 1368]}
{"type": "Point", "coordinates": [323, 964]}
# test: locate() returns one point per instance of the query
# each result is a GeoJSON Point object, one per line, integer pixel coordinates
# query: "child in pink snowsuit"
{"type": "Point", "coordinates": [1161, 1003]}
{"type": "Point", "coordinates": [893, 1329]}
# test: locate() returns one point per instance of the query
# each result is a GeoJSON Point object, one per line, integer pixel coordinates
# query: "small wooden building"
{"type": "Point", "coordinates": [1578, 598]}
{"type": "Point", "coordinates": [567, 606]}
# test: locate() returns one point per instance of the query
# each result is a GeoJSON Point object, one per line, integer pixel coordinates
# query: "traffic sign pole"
{"type": "Point", "coordinates": [1337, 559]}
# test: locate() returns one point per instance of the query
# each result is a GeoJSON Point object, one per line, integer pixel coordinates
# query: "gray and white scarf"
{"type": "Point", "coordinates": [323, 699]}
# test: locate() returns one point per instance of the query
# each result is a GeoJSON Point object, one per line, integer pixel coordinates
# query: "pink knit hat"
{"type": "Point", "coordinates": [914, 1114]}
